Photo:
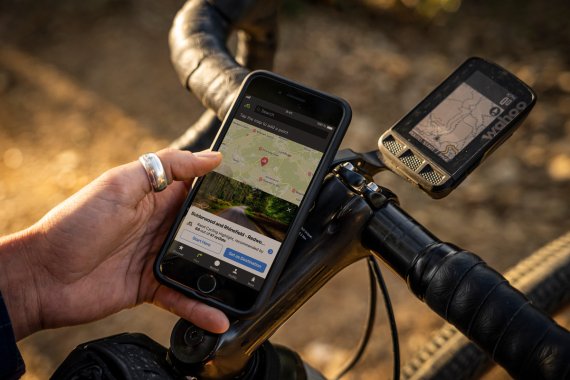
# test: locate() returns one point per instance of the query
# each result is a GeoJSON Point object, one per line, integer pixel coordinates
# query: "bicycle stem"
{"type": "Point", "coordinates": [327, 244]}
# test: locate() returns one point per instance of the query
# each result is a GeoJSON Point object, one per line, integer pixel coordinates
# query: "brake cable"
{"type": "Point", "coordinates": [376, 279]}
{"type": "Point", "coordinates": [373, 262]}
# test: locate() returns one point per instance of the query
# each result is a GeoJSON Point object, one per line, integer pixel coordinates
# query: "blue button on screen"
{"type": "Point", "coordinates": [249, 262]}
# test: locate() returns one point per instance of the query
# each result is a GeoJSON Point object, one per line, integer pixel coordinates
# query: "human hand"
{"type": "Point", "coordinates": [92, 255]}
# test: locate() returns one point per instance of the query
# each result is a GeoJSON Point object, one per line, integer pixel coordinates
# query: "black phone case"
{"type": "Point", "coordinates": [290, 239]}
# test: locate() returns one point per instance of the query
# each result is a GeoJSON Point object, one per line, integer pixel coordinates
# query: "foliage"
{"type": "Point", "coordinates": [220, 192]}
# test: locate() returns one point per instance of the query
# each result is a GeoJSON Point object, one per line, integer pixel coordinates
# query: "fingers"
{"type": "Point", "coordinates": [201, 315]}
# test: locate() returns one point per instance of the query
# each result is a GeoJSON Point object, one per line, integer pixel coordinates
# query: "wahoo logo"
{"type": "Point", "coordinates": [504, 121]}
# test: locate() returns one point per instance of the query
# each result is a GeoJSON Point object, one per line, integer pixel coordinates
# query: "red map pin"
{"type": "Point", "coordinates": [264, 161]}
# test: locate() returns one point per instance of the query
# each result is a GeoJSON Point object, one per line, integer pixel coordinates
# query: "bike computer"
{"type": "Point", "coordinates": [451, 131]}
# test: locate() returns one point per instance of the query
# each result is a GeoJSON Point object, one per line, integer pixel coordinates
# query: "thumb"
{"type": "Point", "coordinates": [182, 165]}
{"type": "Point", "coordinates": [179, 165]}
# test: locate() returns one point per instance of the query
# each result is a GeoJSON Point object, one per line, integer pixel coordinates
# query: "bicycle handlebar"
{"type": "Point", "coordinates": [476, 299]}
{"type": "Point", "coordinates": [456, 284]}
{"type": "Point", "coordinates": [200, 55]}
{"type": "Point", "coordinates": [493, 314]}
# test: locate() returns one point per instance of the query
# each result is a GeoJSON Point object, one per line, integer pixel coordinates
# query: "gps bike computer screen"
{"type": "Point", "coordinates": [273, 144]}
{"type": "Point", "coordinates": [462, 116]}
{"type": "Point", "coordinates": [451, 131]}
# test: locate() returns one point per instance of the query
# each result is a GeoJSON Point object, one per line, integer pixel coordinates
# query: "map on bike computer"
{"type": "Point", "coordinates": [456, 127]}
{"type": "Point", "coordinates": [456, 121]}
{"type": "Point", "coordinates": [267, 161]}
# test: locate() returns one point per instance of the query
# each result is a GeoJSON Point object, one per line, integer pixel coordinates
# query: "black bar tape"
{"type": "Point", "coordinates": [199, 53]}
{"type": "Point", "coordinates": [200, 56]}
{"type": "Point", "coordinates": [480, 302]}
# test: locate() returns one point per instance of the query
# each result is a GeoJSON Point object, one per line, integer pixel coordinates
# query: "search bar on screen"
{"type": "Point", "coordinates": [297, 124]}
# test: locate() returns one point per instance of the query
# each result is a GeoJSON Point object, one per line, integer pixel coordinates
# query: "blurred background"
{"type": "Point", "coordinates": [88, 85]}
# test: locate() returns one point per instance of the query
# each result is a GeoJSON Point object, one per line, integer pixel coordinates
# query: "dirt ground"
{"type": "Point", "coordinates": [88, 85]}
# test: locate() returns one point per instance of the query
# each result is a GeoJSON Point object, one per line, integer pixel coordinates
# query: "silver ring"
{"type": "Point", "coordinates": [154, 171]}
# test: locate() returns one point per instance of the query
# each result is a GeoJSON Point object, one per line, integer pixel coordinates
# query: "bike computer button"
{"type": "Point", "coordinates": [206, 283]}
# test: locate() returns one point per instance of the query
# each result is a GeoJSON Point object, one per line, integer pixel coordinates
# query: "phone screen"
{"type": "Point", "coordinates": [242, 211]}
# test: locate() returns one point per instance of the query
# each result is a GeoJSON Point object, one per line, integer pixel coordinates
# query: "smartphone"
{"type": "Point", "coordinates": [457, 126]}
{"type": "Point", "coordinates": [234, 233]}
